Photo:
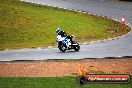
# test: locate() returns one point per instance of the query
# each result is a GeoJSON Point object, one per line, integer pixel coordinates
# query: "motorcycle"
{"type": "Point", "coordinates": [64, 43]}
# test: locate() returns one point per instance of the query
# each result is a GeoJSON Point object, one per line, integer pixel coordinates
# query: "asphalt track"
{"type": "Point", "coordinates": [113, 48]}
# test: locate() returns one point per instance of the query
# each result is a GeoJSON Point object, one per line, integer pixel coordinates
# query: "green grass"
{"type": "Point", "coordinates": [29, 25]}
{"type": "Point", "coordinates": [52, 82]}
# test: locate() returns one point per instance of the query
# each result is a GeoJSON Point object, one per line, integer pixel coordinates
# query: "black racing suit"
{"type": "Point", "coordinates": [63, 34]}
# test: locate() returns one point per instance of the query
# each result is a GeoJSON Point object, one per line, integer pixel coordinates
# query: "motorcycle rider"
{"type": "Point", "coordinates": [59, 31]}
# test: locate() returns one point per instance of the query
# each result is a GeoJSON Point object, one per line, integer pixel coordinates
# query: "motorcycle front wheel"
{"type": "Point", "coordinates": [62, 47]}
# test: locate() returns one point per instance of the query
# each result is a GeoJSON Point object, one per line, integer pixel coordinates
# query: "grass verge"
{"type": "Point", "coordinates": [28, 25]}
{"type": "Point", "coordinates": [52, 82]}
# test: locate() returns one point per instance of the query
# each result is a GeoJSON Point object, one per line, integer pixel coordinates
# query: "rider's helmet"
{"type": "Point", "coordinates": [58, 30]}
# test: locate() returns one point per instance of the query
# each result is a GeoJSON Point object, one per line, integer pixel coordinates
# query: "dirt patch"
{"type": "Point", "coordinates": [65, 67]}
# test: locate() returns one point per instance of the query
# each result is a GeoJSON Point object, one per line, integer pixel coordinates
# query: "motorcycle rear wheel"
{"type": "Point", "coordinates": [77, 47]}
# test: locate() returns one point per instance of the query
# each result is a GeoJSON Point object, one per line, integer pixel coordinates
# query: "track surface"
{"type": "Point", "coordinates": [113, 48]}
